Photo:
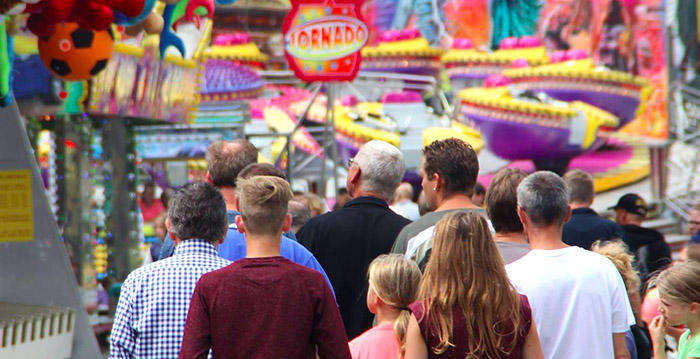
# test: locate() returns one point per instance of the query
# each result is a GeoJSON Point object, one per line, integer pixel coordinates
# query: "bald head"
{"type": "Point", "coordinates": [226, 159]}
{"type": "Point", "coordinates": [404, 191]}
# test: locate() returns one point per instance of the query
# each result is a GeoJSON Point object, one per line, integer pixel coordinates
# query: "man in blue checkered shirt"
{"type": "Point", "coordinates": [152, 309]}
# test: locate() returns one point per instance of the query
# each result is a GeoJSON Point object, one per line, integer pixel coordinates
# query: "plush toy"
{"type": "Point", "coordinates": [91, 14]}
{"type": "Point", "coordinates": [74, 53]}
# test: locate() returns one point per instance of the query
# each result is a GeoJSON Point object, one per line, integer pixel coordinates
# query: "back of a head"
{"type": "Point", "coordinates": [300, 213]}
{"type": "Point", "coordinates": [263, 202]}
{"type": "Point", "coordinates": [226, 159]}
{"type": "Point", "coordinates": [396, 281]}
{"type": "Point", "coordinates": [466, 271]}
{"type": "Point", "coordinates": [502, 201]}
{"type": "Point", "coordinates": [479, 189]}
{"type": "Point", "coordinates": [544, 196]}
{"type": "Point", "coordinates": [261, 169]}
{"type": "Point", "coordinates": [456, 163]}
{"type": "Point", "coordinates": [581, 186]}
{"type": "Point", "coordinates": [680, 283]}
{"type": "Point", "coordinates": [692, 252]}
{"type": "Point", "coordinates": [404, 191]}
{"type": "Point", "coordinates": [382, 167]}
{"type": "Point", "coordinates": [617, 252]}
{"type": "Point", "coordinates": [198, 211]}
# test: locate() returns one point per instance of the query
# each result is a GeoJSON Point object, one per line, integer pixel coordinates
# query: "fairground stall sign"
{"type": "Point", "coordinates": [323, 39]}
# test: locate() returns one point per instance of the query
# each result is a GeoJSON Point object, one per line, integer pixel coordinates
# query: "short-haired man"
{"type": "Point", "coordinates": [501, 206]}
{"type": "Point", "coordinates": [403, 202]}
{"type": "Point", "coordinates": [585, 225]}
{"type": "Point", "coordinates": [226, 161]}
{"type": "Point", "coordinates": [264, 306]}
{"type": "Point", "coordinates": [578, 299]}
{"type": "Point", "coordinates": [154, 299]}
{"type": "Point", "coordinates": [650, 249]}
{"type": "Point", "coordinates": [234, 248]}
{"type": "Point", "coordinates": [300, 214]}
{"type": "Point", "coordinates": [346, 240]}
{"type": "Point", "coordinates": [449, 169]}
{"type": "Point", "coordinates": [694, 224]}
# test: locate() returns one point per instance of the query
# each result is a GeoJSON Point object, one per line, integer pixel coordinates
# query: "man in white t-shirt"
{"type": "Point", "coordinates": [578, 298]}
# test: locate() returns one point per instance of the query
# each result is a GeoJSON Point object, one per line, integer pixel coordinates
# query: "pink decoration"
{"type": "Point", "coordinates": [390, 36]}
{"type": "Point", "coordinates": [558, 56]}
{"type": "Point", "coordinates": [412, 97]}
{"type": "Point", "coordinates": [409, 34]}
{"type": "Point", "coordinates": [529, 41]}
{"type": "Point", "coordinates": [349, 101]}
{"type": "Point", "coordinates": [496, 81]}
{"type": "Point", "coordinates": [519, 64]}
{"type": "Point", "coordinates": [462, 44]}
{"type": "Point", "coordinates": [576, 54]}
{"type": "Point", "coordinates": [509, 43]}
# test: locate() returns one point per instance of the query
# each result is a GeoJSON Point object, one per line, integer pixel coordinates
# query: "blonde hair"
{"type": "Point", "coordinates": [314, 202]}
{"type": "Point", "coordinates": [262, 201]}
{"type": "Point", "coordinates": [617, 252]}
{"type": "Point", "coordinates": [680, 283]}
{"type": "Point", "coordinates": [396, 281]}
{"type": "Point", "coordinates": [466, 272]}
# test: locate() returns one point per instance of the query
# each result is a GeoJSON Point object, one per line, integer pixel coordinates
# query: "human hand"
{"type": "Point", "coordinates": [657, 329]}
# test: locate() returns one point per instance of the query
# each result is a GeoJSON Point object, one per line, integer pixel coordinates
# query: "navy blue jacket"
{"type": "Point", "coordinates": [586, 227]}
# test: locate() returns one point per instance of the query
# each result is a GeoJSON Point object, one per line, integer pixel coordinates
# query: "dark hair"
{"type": "Point", "coordinates": [149, 183]}
{"type": "Point", "coordinates": [342, 191]}
{"type": "Point", "coordinates": [479, 189]}
{"type": "Point", "coordinates": [456, 163]}
{"type": "Point", "coordinates": [581, 186]}
{"type": "Point", "coordinates": [502, 201]}
{"type": "Point", "coordinates": [198, 211]}
{"type": "Point", "coordinates": [261, 169]}
{"type": "Point", "coordinates": [225, 160]}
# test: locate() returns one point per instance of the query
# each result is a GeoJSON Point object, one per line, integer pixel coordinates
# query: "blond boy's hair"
{"type": "Point", "coordinates": [262, 201]}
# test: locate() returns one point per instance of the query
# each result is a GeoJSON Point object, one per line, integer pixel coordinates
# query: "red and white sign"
{"type": "Point", "coordinates": [323, 39]}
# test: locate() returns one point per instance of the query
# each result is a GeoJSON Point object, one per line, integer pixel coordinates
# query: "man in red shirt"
{"type": "Point", "coordinates": [264, 306]}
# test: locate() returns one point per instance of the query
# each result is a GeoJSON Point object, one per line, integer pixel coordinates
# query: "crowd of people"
{"type": "Point", "coordinates": [523, 269]}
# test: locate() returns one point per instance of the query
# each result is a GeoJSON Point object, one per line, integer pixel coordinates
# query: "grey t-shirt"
{"type": "Point", "coordinates": [423, 223]}
{"type": "Point", "coordinates": [511, 252]}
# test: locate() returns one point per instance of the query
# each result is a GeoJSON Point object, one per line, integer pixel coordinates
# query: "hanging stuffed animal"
{"type": "Point", "coordinates": [90, 14]}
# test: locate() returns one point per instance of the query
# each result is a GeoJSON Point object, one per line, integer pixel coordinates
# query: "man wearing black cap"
{"type": "Point", "coordinates": [648, 245]}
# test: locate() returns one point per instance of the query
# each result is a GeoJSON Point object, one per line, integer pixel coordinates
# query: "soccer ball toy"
{"type": "Point", "coordinates": [73, 53]}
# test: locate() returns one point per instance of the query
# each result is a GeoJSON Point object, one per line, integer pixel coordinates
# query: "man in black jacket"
{"type": "Point", "coordinates": [585, 225]}
{"type": "Point", "coordinates": [346, 240]}
{"type": "Point", "coordinates": [648, 245]}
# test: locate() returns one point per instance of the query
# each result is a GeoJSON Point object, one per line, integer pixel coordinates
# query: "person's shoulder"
{"type": "Point", "coordinates": [304, 275]}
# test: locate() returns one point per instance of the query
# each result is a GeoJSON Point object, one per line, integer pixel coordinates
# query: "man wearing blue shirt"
{"type": "Point", "coordinates": [226, 161]}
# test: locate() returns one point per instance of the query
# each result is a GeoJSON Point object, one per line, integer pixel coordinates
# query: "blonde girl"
{"type": "Point", "coordinates": [393, 285]}
{"type": "Point", "coordinates": [469, 309]}
{"type": "Point", "coordinates": [679, 292]}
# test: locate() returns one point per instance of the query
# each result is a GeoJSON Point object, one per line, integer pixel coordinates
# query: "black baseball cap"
{"type": "Point", "coordinates": [632, 203]}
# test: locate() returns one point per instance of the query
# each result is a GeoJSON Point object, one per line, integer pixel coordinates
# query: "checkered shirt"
{"type": "Point", "coordinates": [154, 301]}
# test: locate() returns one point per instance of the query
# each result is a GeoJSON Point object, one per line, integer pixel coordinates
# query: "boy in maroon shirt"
{"type": "Point", "coordinates": [264, 306]}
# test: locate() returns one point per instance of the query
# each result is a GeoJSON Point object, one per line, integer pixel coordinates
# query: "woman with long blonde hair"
{"type": "Point", "coordinates": [469, 309]}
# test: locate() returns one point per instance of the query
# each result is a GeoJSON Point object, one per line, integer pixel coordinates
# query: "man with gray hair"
{"type": "Point", "coordinates": [346, 240]}
{"type": "Point", "coordinates": [154, 300]}
{"type": "Point", "coordinates": [578, 299]}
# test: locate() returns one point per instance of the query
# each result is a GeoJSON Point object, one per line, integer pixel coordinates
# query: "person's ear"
{"type": "Point", "coordinates": [208, 177]}
{"type": "Point", "coordinates": [568, 215]}
{"type": "Point", "coordinates": [523, 217]}
{"type": "Point", "coordinates": [354, 175]}
{"type": "Point", "coordinates": [694, 308]}
{"type": "Point", "coordinates": [287, 224]}
{"type": "Point", "coordinates": [438, 181]}
{"type": "Point", "coordinates": [239, 224]}
{"type": "Point", "coordinates": [168, 224]}
{"type": "Point", "coordinates": [236, 201]}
